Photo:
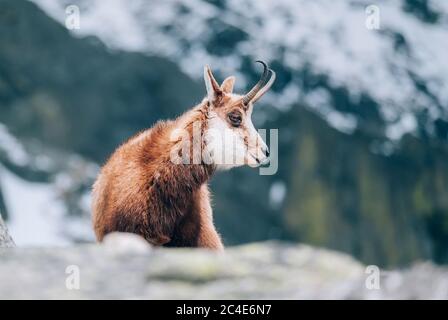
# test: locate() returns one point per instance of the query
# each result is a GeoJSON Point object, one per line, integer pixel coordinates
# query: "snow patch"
{"type": "Point", "coordinates": [11, 147]}
{"type": "Point", "coordinates": [36, 215]}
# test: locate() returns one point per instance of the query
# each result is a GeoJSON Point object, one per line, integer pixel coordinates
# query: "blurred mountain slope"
{"type": "Point", "coordinates": [387, 82]}
{"type": "Point", "coordinates": [385, 209]}
{"type": "Point", "coordinates": [361, 114]}
{"type": "Point", "coordinates": [54, 88]}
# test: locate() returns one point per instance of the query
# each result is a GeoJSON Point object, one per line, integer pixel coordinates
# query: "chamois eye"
{"type": "Point", "coordinates": [235, 119]}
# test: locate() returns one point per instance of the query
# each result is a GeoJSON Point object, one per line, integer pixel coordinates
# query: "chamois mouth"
{"type": "Point", "coordinates": [263, 161]}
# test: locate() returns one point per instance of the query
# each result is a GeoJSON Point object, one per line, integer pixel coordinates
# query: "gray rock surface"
{"type": "Point", "coordinates": [125, 267]}
{"type": "Point", "coordinates": [5, 238]}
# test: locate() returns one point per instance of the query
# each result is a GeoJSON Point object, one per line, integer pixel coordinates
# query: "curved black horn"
{"type": "Point", "coordinates": [264, 78]}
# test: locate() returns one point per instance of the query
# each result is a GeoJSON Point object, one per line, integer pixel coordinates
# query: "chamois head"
{"type": "Point", "coordinates": [231, 138]}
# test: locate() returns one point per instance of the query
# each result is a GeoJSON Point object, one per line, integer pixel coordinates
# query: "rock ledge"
{"type": "Point", "coordinates": [126, 268]}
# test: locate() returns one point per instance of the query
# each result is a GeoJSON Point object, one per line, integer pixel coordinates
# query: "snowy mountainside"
{"type": "Point", "coordinates": [401, 67]}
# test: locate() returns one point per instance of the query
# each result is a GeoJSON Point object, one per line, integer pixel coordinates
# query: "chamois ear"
{"type": "Point", "coordinates": [227, 85]}
{"type": "Point", "coordinates": [213, 89]}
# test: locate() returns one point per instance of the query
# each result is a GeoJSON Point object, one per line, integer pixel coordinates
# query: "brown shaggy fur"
{"type": "Point", "coordinates": [140, 190]}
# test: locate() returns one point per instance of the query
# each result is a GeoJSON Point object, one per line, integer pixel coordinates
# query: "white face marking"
{"type": "Point", "coordinates": [257, 146]}
{"type": "Point", "coordinates": [226, 145]}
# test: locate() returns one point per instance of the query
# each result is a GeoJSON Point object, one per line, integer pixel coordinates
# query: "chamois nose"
{"type": "Point", "coordinates": [266, 152]}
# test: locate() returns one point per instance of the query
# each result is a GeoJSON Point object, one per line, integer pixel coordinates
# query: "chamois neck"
{"type": "Point", "coordinates": [192, 126]}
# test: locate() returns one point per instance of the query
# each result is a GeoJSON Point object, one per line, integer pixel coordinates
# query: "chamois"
{"type": "Point", "coordinates": [155, 184]}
